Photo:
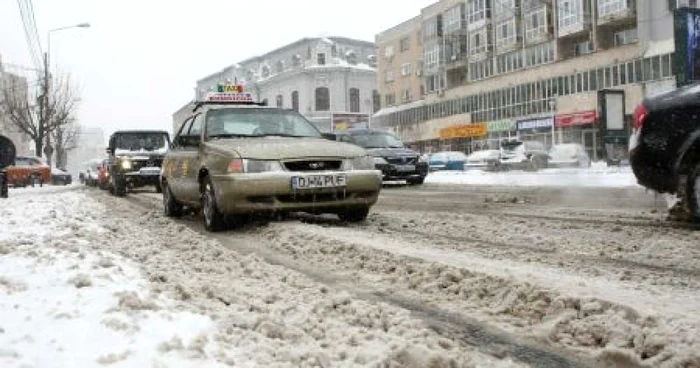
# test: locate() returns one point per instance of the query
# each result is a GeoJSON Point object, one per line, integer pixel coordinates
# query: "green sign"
{"type": "Point", "coordinates": [505, 125]}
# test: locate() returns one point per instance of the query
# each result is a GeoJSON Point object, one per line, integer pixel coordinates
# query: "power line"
{"type": "Point", "coordinates": [30, 32]}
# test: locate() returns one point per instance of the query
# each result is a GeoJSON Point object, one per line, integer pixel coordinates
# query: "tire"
{"type": "Point", "coordinates": [36, 179]}
{"type": "Point", "coordinates": [159, 188]}
{"type": "Point", "coordinates": [171, 207]}
{"type": "Point", "coordinates": [416, 181]}
{"type": "Point", "coordinates": [119, 186]}
{"type": "Point", "coordinates": [214, 220]}
{"type": "Point", "coordinates": [693, 193]}
{"type": "Point", "coordinates": [354, 215]}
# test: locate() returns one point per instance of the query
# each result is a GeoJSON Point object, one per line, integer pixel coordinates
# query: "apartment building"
{"type": "Point", "coordinates": [531, 69]}
{"type": "Point", "coordinates": [18, 85]}
{"type": "Point", "coordinates": [402, 58]}
{"type": "Point", "coordinates": [332, 81]}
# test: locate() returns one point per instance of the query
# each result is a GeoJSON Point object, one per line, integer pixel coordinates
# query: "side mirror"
{"type": "Point", "coordinates": [330, 136]}
{"type": "Point", "coordinates": [108, 150]}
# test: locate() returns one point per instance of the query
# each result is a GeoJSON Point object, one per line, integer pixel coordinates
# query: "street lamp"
{"type": "Point", "coordinates": [553, 110]}
{"type": "Point", "coordinates": [48, 150]}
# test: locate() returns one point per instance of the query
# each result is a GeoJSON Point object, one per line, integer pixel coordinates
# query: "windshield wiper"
{"type": "Point", "coordinates": [279, 135]}
{"type": "Point", "coordinates": [229, 135]}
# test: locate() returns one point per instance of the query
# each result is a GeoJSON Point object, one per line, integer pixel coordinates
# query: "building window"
{"type": "Point", "coordinates": [430, 29]}
{"type": "Point", "coordinates": [405, 44]}
{"type": "Point", "coordinates": [265, 71]}
{"type": "Point", "coordinates": [390, 99]}
{"type": "Point", "coordinates": [625, 37]}
{"type": "Point", "coordinates": [674, 4]}
{"type": "Point", "coordinates": [389, 76]}
{"type": "Point", "coordinates": [406, 95]}
{"type": "Point", "coordinates": [279, 100]}
{"type": "Point", "coordinates": [354, 100]}
{"type": "Point", "coordinates": [570, 12]}
{"type": "Point", "coordinates": [295, 101]}
{"type": "Point", "coordinates": [506, 34]}
{"type": "Point", "coordinates": [376, 101]}
{"type": "Point", "coordinates": [480, 70]}
{"type": "Point", "coordinates": [389, 51]}
{"type": "Point", "coordinates": [478, 42]}
{"type": "Point", "coordinates": [583, 48]}
{"type": "Point", "coordinates": [505, 7]}
{"type": "Point", "coordinates": [536, 24]}
{"type": "Point", "coordinates": [476, 10]}
{"type": "Point", "coordinates": [323, 99]}
{"type": "Point", "coordinates": [296, 60]}
{"type": "Point", "coordinates": [321, 59]}
{"type": "Point", "coordinates": [432, 55]}
{"type": "Point", "coordinates": [453, 19]}
{"type": "Point", "coordinates": [406, 69]}
{"type": "Point", "coordinates": [279, 67]}
{"type": "Point", "coordinates": [608, 7]}
{"type": "Point", "coordinates": [509, 62]}
{"type": "Point", "coordinates": [540, 54]}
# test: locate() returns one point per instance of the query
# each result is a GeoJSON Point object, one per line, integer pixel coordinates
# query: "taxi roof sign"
{"type": "Point", "coordinates": [228, 94]}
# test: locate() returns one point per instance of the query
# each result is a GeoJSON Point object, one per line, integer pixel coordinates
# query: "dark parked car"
{"type": "Point", "coordinates": [665, 147]}
{"type": "Point", "coordinates": [391, 156]}
{"type": "Point", "coordinates": [528, 155]}
{"type": "Point", "coordinates": [60, 177]}
{"type": "Point", "coordinates": [448, 160]}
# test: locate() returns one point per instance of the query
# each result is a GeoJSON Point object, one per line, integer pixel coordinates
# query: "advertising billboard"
{"type": "Point", "coordinates": [342, 122]}
{"type": "Point", "coordinates": [687, 38]}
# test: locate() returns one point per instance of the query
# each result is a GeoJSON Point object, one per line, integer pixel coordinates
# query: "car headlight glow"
{"type": "Point", "coordinates": [423, 158]}
{"type": "Point", "coordinates": [126, 164]}
{"type": "Point", "coordinates": [380, 161]}
{"type": "Point", "coordinates": [359, 163]}
{"type": "Point", "coordinates": [262, 166]}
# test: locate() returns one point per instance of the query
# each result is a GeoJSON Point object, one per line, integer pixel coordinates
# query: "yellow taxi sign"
{"type": "Point", "coordinates": [229, 88]}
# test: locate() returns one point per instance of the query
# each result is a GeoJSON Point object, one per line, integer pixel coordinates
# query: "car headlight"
{"type": "Point", "coordinates": [423, 159]}
{"type": "Point", "coordinates": [380, 161]}
{"type": "Point", "coordinates": [261, 166]}
{"type": "Point", "coordinates": [359, 163]}
{"type": "Point", "coordinates": [126, 164]}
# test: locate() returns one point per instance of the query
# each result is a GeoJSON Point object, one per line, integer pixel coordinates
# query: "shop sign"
{"type": "Point", "coordinates": [505, 125]}
{"type": "Point", "coordinates": [463, 131]}
{"type": "Point", "coordinates": [538, 123]}
{"type": "Point", "coordinates": [578, 118]}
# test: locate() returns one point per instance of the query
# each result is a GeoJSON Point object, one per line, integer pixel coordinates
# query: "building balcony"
{"type": "Point", "coordinates": [574, 29]}
{"type": "Point", "coordinates": [477, 56]}
{"type": "Point", "coordinates": [504, 48]}
{"type": "Point", "coordinates": [533, 38]}
{"type": "Point", "coordinates": [456, 61]}
{"type": "Point", "coordinates": [620, 17]}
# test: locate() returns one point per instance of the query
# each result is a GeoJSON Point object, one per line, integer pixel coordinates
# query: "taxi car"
{"type": "Point", "coordinates": [234, 157]}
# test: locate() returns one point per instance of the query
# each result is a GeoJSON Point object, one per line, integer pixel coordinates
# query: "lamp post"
{"type": "Point", "coordinates": [48, 150]}
{"type": "Point", "coordinates": [553, 110]}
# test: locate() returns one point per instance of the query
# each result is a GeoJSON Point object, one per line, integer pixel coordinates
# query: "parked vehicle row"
{"type": "Point", "coordinates": [513, 155]}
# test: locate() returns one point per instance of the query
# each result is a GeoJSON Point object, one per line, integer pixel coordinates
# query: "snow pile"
{"type": "Point", "coordinates": [610, 331]}
{"type": "Point", "coordinates": [595, 176]}
{"type": "Point", "coordinates": [89, 284]}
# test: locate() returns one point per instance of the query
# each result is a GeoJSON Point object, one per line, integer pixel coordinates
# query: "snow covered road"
{"type": "Point", "coordinates": [442, 275]}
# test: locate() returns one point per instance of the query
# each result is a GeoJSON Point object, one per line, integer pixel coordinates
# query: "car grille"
{"type": "Point", "coordinates": [138, 164]}
{"type": "Point", "coordinates": [313, 165]}
{"type": "Point", "coordinates": [402, 160]}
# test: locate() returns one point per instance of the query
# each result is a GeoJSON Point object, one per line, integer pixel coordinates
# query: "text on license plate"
{"type": "Point", "coordinates": [319, 181]}
{"type": "Point", "coordinates": [150, 171]}
{"type": "Point", "coordinates": [405, 168]}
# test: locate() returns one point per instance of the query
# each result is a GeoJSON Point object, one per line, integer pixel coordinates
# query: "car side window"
{"type": "Point", "coordinates": [36, 163]}
{"type": "Point", "coordinates": [184, 129]}
{"type": "Point", "coordinates": [196, 128]}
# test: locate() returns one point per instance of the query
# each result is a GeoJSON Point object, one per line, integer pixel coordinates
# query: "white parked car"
{"type": "Point", "coordinates": [487, 160]}
{"type": "Point", "coordinates": [569, 155]}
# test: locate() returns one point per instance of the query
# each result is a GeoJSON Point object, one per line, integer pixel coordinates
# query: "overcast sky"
{"type": "Point", "coordinates": [139, 61]}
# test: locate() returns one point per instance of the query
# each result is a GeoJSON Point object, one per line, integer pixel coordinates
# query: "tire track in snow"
{"type": "Point", "coordinates": [450, 325]}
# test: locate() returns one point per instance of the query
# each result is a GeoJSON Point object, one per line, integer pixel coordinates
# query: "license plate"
{"type": "Point", "coordinates": [405, 168]}
{"type": "Point", "coordinates": [319, 181]}
{"type": "Point", "coordinates": [150, 171]}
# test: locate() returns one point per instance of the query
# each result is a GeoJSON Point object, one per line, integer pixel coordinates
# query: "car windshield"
{"type": "Point", "coordinates": [564, 150]}
{"type": "Point", "coordinates": [141, 142]}
{"type": "Point", "coordinates": [482, 155]}
{"type": "Point", "coordinates": [513, 147]}
{"type": "Point", "coordinates": [258, 122]}
{"type": "Point", "coordinates": [378, 140]}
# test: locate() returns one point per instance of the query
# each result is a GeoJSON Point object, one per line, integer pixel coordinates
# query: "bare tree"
{"type": "Point", "coordinates": [65, 138]}
{"type": "Point", "coordinates": [39, 117]}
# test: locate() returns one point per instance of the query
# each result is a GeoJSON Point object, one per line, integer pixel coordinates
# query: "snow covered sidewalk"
{"type": "Point", "coordinates": [84, 285]}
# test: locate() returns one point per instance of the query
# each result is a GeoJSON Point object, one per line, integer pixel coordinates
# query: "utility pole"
{"type": "Point", "coordinates": [44, 112]}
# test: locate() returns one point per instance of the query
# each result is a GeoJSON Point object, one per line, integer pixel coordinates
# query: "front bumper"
{"type": "Point", "coordinates": [139, 178]}
{"type": "Point", "coordinates": [399, 172]}
{"type": "Point", "coordinates": [271, 192]}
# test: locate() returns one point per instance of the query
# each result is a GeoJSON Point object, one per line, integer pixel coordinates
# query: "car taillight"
{"type": "Point", "coordinates": [640, 114]}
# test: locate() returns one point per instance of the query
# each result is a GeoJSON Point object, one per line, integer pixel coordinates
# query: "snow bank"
{"type": "Point", "coordinates": [89, 284]}
{"type": "Point", "coordinates": [595, 176]}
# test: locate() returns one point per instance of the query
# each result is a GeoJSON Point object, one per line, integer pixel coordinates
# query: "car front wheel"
{"type": "Point", "coordinates": [214, 220]}
{"type": "Point", "coordinates": [354, 215]}
{"type": "Point", "coordinates": [170, 205]}
{"type": "Point", "coordinates": [119, 186]}
{"type": "Point", "coordinates": [693, 192]}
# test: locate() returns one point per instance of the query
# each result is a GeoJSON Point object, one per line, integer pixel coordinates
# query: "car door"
{"type": "Point", "coordinates": [191, 161]}
{"type": "Point", "coordinates": [172, 164]}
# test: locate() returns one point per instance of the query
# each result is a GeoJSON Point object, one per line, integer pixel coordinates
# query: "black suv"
{"type": "Point", "coordinates": [665, 147]}
{"type": "Point", "coordinates": [135, 159]}
{"type": "Point", "coordinates": [391, 156]}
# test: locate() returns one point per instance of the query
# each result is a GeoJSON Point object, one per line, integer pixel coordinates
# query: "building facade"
{"type": "Point", "coordinates": [532, 69]}
{"type": "Point", "coordinates": [18, 85]}
{"type": "Point", "coordinates": [332, 81]}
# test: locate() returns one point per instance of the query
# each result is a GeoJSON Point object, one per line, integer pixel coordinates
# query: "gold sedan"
{"type": "Point", "coordinates": [235, 159]}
